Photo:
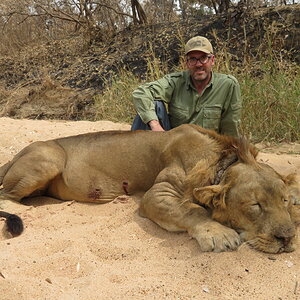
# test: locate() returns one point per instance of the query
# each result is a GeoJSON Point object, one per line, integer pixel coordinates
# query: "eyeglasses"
{"type": "Point", "coordinates": [203, 60]}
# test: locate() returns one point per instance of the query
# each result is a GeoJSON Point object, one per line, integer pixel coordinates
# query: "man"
{"type": "Point", "coordinates": [197, 95]}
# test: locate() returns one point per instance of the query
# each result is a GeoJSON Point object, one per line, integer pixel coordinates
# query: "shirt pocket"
{"type": "Point", "coordinates": [212, 118]}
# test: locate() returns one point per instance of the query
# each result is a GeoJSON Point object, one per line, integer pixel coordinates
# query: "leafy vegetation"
{"type": "Point", "coordinates": [28, 22]}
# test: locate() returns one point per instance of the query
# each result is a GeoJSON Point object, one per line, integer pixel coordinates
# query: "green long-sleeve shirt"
{"type": "Point", "coordinates": [218, 107]}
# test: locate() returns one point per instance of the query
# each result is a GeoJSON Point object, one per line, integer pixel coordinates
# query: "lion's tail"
{"type": "Point", "coordinates": [13, 222]}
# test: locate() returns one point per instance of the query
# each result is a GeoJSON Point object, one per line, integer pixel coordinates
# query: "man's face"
{"type": "Point", "coordinates": [200, 71]}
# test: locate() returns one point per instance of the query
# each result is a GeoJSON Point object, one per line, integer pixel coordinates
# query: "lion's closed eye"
{"type": "Point", "coordinates": [285, 201]}
{"type": "Point", "coordinates": [255, 208]}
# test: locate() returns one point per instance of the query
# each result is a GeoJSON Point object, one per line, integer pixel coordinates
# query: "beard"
{"type": "Point", "coordinates": [201, 74]}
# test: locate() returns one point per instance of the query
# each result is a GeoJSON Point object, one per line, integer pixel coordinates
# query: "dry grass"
{"type": "Point", "coordinates": [270, 91]}
{"type": "Point", "coordinates": [271, 109]}
{"type": "Point", "coordinates": [114, 104]}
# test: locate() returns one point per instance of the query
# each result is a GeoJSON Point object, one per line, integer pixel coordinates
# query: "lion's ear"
{"type": "Point", "coordinates": [290, 179]}
{"type": "Point", "coordinates": [211, 196]}
{"type": "Point", "coordinates": [293, 188]}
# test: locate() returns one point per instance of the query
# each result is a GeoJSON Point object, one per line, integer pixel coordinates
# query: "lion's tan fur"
{"type": "Point", "coordinates": [191, 177]}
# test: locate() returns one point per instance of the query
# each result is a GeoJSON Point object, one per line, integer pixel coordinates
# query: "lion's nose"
{"type": "Point", "coordinates": [285, 234]}
{"type": "Point", "coordinates": [285, 240]}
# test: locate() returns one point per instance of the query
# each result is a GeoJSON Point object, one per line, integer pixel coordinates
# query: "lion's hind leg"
{"type": "Point", "coordinates": [30, 171]}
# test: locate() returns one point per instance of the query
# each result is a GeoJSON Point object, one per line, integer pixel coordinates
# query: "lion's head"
{"type": "Point", "coordinates": [257, 202]}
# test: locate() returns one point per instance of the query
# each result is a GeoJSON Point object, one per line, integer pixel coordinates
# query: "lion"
{"type": "Point", "coordinates": [193, 180]}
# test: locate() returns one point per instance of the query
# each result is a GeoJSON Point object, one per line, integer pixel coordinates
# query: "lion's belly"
{"type": "Point", "coordinates": [103, 175]}
{"type": "Point", "coordinates": [95, 187]}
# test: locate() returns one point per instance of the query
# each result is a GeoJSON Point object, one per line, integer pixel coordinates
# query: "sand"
{"type": "Point", "coordinates": [85, 251]}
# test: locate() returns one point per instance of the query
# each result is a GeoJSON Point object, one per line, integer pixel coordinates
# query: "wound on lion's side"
{"type": "Point", "coordinates": [125, 187]}
{"type": "Point", "coordinates": [95, 194]}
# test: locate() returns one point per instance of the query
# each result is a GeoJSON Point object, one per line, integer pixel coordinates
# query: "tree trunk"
{"type": "Point", "coordinates": [139, 16]}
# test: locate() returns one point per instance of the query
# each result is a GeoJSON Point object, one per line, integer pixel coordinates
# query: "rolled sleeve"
{"type": "Point", "coordinates": [144, 103]}
{"type": "Point", "coordinates": [145, 95]}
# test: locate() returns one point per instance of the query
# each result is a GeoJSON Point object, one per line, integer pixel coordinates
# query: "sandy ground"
{"type": "Point", "coordinates": [83, 251]}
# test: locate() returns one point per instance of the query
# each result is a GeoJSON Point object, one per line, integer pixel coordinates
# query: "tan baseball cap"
{"type": "Point", "coordinates": [198, 43]}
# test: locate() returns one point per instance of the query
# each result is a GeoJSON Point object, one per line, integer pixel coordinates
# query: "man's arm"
{"type": "Point", "coordinates": [230, 120]}
{"type": "Point", "coordinates": [145, 95]}
{"type": "Point", "coordinates": [155, 125]}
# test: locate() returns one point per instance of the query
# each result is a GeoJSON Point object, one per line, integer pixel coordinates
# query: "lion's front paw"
{"type": "Point", "coordinates": [215, 237]}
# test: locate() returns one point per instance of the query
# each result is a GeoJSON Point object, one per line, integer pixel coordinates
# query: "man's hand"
{"type": "Point", "coordinates": [155, 126]}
